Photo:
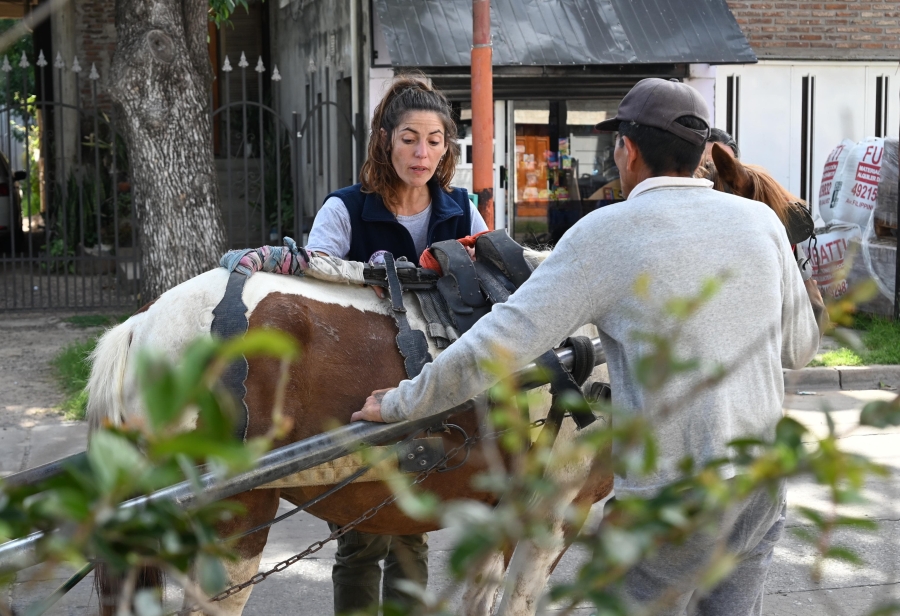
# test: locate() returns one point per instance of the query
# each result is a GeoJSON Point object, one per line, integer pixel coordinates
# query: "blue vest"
{"type": "Point", "coordinates": [373, 227]}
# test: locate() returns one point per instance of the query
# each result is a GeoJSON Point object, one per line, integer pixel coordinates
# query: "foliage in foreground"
{"type": "Point", "coordinates": [131, 460]}
{"type": "Point", "coordinates": [124, 461]}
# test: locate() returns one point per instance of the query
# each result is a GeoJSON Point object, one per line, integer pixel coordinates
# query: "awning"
{"type": "Point", "coordinates": [436, 33]}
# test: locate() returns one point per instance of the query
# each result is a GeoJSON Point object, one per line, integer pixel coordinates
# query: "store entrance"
{"type": "Point", "coordinates": [561, 168]}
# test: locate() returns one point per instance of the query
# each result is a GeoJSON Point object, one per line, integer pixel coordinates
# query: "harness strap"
{"type": "Point", "coordinates": [499, 249]}
{"type": "Point", "coordinates": [437, 315]}
{"type": "Point", "coordinates": [412, 343]}
{"type": "Point", "coordinates": [456, 263]}
{"type": "Point", "coordinates": [561, 383]}
{"type": "Point", "coordinates": [583, 364]}
{"type": "Point", "coordinates": [230, 321]}
{"type": "Point", "coordinates": [495, 285]}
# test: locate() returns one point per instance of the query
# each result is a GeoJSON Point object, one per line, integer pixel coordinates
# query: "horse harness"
{"type": "Point", "coordinates": [451, 304]}
{"type": "Point", "coordinates": [465, 293]}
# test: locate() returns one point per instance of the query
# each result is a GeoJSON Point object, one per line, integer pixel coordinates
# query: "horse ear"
{"type": "Point", "coordinates": [731, 170]}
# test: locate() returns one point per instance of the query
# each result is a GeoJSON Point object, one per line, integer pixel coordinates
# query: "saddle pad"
{"type": "Point", "coordinates": [330, 473]}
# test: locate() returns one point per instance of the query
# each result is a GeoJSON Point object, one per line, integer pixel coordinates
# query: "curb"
{"type": "Point", "coordinates": [846, 377]}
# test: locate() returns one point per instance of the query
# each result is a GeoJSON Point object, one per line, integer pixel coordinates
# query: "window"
{"type": "Point", "coordinates": [881, 105]}
{"type": "Point", "coordinates": [807, 130]}
{"type": "Point", "coordinates": [732, 106]}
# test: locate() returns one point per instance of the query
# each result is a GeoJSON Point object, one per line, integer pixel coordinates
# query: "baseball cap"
{"type": "Point", "coordinates": [658, 103]}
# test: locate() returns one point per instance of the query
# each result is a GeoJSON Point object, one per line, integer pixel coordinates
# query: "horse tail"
{"type": "Point", "coordinates": [106, 385]}
{"type": "Point", "coordinates": [109, 585]}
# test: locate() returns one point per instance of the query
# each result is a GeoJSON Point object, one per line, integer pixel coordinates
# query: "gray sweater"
{"type": "Point", "coordinates": [674, 234]}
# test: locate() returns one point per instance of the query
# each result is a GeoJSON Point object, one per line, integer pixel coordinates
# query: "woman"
{"type": "Point", "coordinates": [403, 204]}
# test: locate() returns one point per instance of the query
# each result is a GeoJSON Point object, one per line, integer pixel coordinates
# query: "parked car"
{"type": "Point", "coordinates": [11, 234]}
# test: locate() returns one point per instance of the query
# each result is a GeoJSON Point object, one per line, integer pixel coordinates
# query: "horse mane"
{"type": "Point", "coordinates": [535, 257]}
{"type": "Point", "coordinates": [765, 189]}
{"type": "Point", "coordinates": [773, 194]}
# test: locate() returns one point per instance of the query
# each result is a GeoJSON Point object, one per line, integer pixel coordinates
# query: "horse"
{"type": "Point", "coordinates": [347, 337]}
{"type": "Point", "coordinates": [728, 174]}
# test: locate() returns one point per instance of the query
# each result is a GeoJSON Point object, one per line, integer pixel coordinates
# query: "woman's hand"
{"type": "Point", "coordinates": [371, 410]}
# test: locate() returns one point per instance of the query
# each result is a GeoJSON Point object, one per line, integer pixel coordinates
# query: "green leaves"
{"type": "Point", "coordinates": [133, 460]}
{"type": "Point", "coordinates": [221, 10]}
{"type": "Point", "coordinates": [881, 414]}
{"type": "Point", "coordinates": [114, 461]}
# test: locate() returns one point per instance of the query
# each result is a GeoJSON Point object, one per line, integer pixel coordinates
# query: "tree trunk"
{"type": "Point", "coordinates": [160, 78]}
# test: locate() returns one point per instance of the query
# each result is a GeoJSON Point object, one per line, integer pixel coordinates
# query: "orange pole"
{"type": "Point", "coordinates": [482, 110]}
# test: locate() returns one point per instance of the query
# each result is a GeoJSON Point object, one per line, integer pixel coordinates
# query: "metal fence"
{"type": "Point", "coordinates": [67, 233]}
{"type": "Point", "coordinates": [71, 239]}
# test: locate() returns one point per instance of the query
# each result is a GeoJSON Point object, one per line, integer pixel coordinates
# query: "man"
{"type": "Point", "coordinates": [677, 231]}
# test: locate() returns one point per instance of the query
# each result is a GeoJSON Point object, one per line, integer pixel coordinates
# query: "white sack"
{"type": "Point", "coordinates": [858, 192]}
{"type": "Point", "coordinates": [828, 256]}
{"type": "Point", "coordinates": [831, 174]}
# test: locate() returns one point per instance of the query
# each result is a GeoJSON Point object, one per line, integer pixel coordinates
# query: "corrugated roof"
{"type": "Point", "coordinates": [559, 32]}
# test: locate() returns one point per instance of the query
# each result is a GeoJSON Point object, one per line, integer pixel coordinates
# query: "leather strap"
{"type": "Point", "coordinates": [459, 285]}
{"type": "Point", "coordinates": [562, 382]}
{"type": "Point", "coordinates": [230, 321]}
{"type": "Point", "coordinates": [412, 343]}
{"type": "Point", "coordinates": [583, 364]}
{"type": "Point", "coordinates": [497, 248]}
{"type": "Point", "coordinates": [494, 284]}
{"type": "Point", "coordinates": [456, 262]}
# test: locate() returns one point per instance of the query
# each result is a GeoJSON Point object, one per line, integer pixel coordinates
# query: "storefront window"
{"type": "Point", "coordinates": [563, 166]}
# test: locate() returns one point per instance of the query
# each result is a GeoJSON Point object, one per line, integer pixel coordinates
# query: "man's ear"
{"type": "Point", "coordinates": [632, 154]}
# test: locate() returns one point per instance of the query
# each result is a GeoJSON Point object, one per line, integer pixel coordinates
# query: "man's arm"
{"type": "Point", "coordinates": [555, 301]}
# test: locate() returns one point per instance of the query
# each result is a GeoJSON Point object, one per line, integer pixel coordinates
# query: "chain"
{"type": "Point", "coordinates": [367, 515]}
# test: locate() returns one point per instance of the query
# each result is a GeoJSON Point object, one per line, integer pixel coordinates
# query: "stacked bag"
{"type": "Point", "coordinates": [859, 183]}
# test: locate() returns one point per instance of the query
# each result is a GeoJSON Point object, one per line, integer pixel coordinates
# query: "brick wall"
{"type": "Point", "coordinates": [95, 43]}
{"type": "Point", "coordinates": [849, 30]}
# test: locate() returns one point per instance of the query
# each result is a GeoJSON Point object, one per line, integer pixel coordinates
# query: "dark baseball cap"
{"type": "Point", "coordinates": [658, 103]}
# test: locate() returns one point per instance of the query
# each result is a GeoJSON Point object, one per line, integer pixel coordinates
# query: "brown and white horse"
{"type": "Point", "coordinates": [348, 346]}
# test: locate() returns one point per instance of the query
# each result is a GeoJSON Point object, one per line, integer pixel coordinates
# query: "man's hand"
{"type": "Point", "coordinates": [371, 410]}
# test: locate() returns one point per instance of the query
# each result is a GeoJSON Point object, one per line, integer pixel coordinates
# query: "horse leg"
{"type": "Point", "coordinates": [482, 585]}
{"type": "Point", "coordinates": [260, 506]}
{"type": "Point", "coordinates": [531, 563]}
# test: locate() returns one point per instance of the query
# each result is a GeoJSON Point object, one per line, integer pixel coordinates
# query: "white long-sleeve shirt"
{"type": "Point", "coordinates": [669, 238]}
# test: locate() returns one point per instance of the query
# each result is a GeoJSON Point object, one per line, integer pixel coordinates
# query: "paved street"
{"type": "Point", "coordinates": [305, 588]}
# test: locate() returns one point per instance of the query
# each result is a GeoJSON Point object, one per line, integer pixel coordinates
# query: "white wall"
{"type": "Point", "coordinates": [770, 111]}
{"type": "Point", "coordinates": [703, 78]}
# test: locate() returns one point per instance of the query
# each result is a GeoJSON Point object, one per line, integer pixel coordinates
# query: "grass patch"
{"type": "Point", "coordinates": [72, 371]}
{"type": "Point", "coordinates": [94, 320]}
{"type": "Point", "coordinates": [880, 337]}
{"type": "Point", "coordinates": [839, 357]}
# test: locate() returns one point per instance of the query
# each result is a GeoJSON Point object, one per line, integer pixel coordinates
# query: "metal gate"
{"type": "Point", "coordinates": [72, 241]}
{"type": "Point", "coordinates": [272, 177]}
{"type": "Point", "coordinates": [68, 238]}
